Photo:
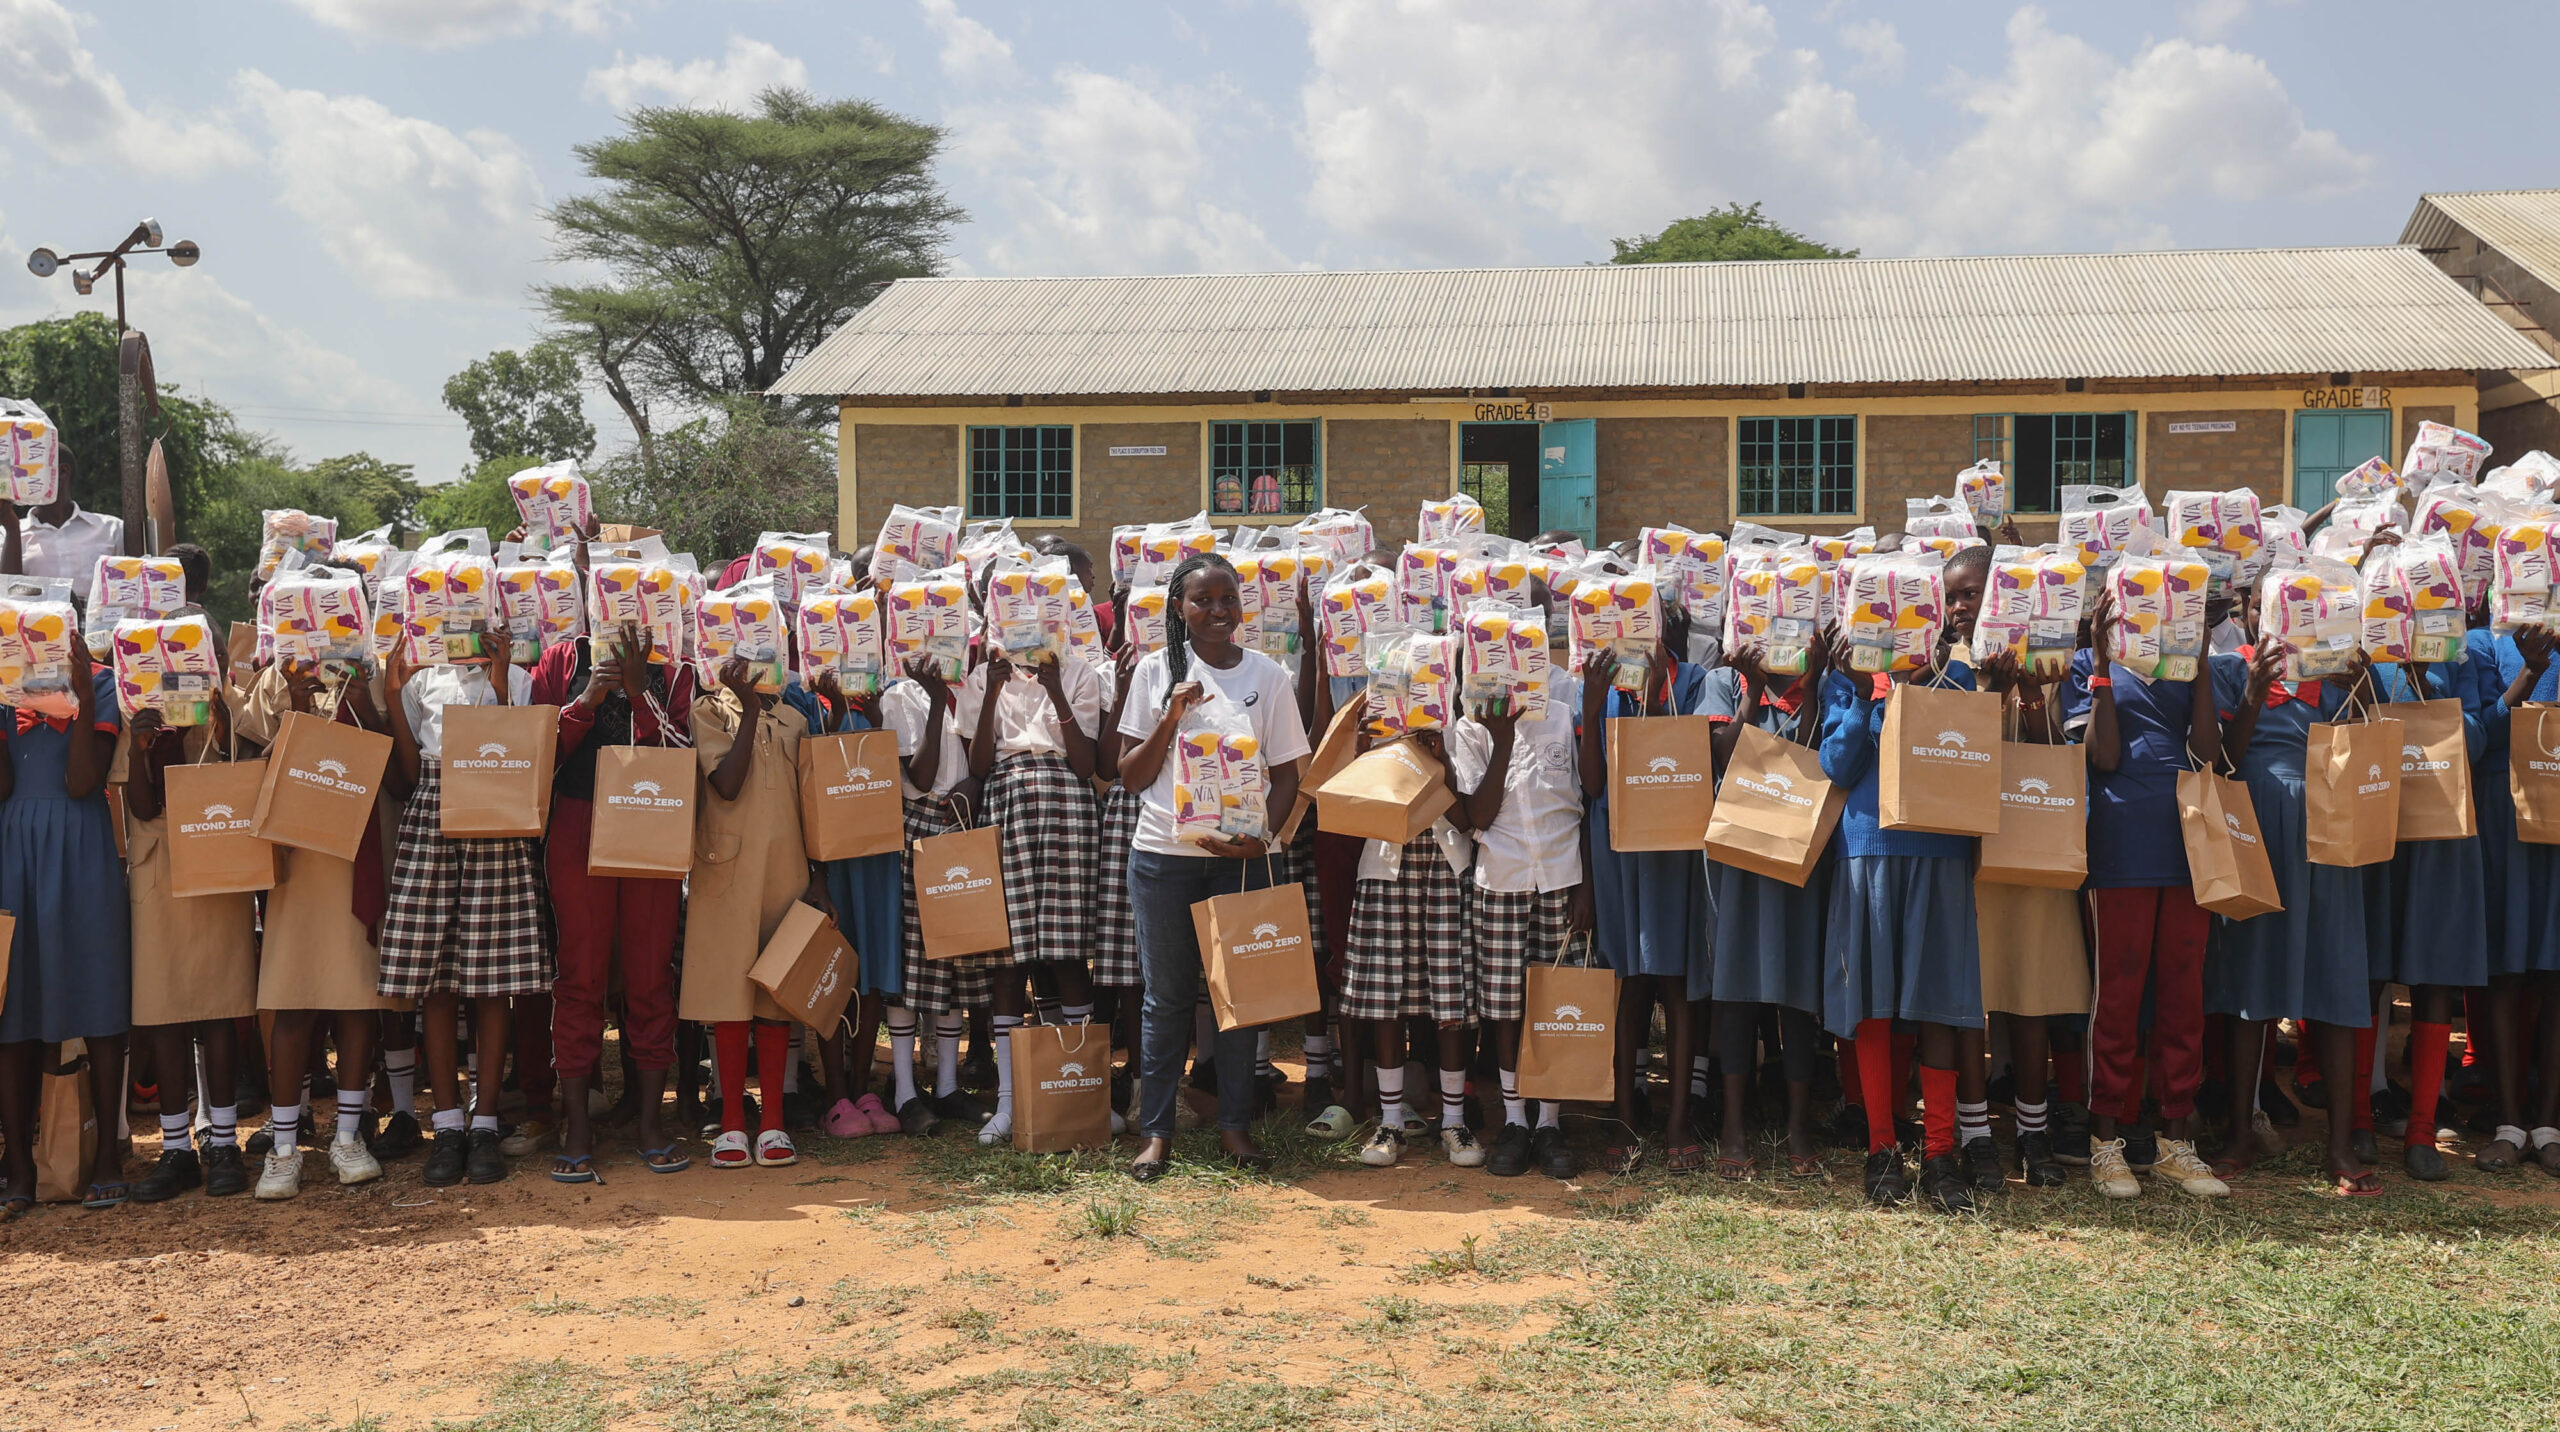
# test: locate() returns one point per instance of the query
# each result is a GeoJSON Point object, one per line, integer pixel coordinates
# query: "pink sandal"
{"type": "Point", "coordinates": [846, 1121]}
{"type": "Point", "coordinates": [871, 1107]}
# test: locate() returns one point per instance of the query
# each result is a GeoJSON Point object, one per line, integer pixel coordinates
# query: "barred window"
{"type": "Point", "coordinates": [1799, 467]}
{"type": "Point", "coordinates": [1023, 473]}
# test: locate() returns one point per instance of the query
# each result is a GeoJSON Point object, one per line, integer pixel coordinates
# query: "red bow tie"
{"type": "Point", "coordinates": [2306, 692]}
{"type": "Point", "coordinates": [29, 720]}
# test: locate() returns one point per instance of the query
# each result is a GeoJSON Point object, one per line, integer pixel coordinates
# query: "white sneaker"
{"type": "Point", "coordinates": [354, 1162]}
{"type": "Point", "coordinates": [2178, 1164]}
{"type": "Point", "coordinates": [1459, 1142]}
{"type": "Point", "coordinates": [282, 1177]}
{"type": "Point", "coordinates": [1383, 1149]}
{"type": "Point", "coordinates": [2108, 1171]}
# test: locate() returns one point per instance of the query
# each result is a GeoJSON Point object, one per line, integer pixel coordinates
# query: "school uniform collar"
{"type": "Point", "coordinates": [1787, 702]}
{"type": "Point", "coordinates": [79, 515]}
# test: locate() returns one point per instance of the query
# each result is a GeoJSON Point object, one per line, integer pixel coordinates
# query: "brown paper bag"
{"type": "Point", "coordinates": [2351, 792]}
{"type": "Point", "coordinates": [620, 533]}
{"type": "Point", "coordinates": [1938, 763]}
{"type": "Point", "coordinates": [960, 893]}
{"type": "Point", "coordinates": [808, 967]}
{"type": "Point", "coordinates": [643, 813]}
{"type": "Point", "coordinates": [1569, 1042]}
{"type": "Point", "coordinates": [1259, 954]}
{"type": "Point", "coordinates": [322, 777]}
{"type": "Point", "coordinates": [1662, 789]}
{"type": "Point", "coordinates": [2227, 860]}
{"type": "Point", "coordinates": [1391, 793]}
{"type": "Point", "coordinates": [66, 1134]}
{"type": "Point", "coordinates": [850, 803]}
{"type": "Point", "coordinates": [1775, 813]}
{"type": "Point", "coordinates": [497, 771]}
{"type": "Point", "coordinates": [2533, 772]}
{"type": "Point", "coordinates": [2435, 772]}
{"type": "Point", "coordinates": [1341, 742]}
{"type": "Point", "coordinates": [210, 811]}
{"type": "Point", "coordinates": [2043, 838]}
{"type": "Point", "coordinates": [1061, 1087]}
{"type": "Point", "coordinates": [8, 946]}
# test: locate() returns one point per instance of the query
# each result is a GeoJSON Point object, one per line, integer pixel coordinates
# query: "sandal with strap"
{"type": "Point", "coordinates": [16, 1206]}
{"type": "Point", "coordinates": [1685, 1158]}
{"type": "Point", "coordinates": [2490, 1160]}
{"type": "Point", "coordinates": [1733, 1170]}
{"type": "Point", "coordinates": [1807, 1166]}
{"type": "Point", "coordinates": [2367, 1184]}
{"type": "Point", "coordinates": [664, 1160]}
{"type": "Point", "coordinates": [1623, 1158]}
{"type": "Point", "coordinates": [110, 1194]}
{"type": "Point", "coordinates": [774, 1150]}
{"type": "Point", "coordinates": [730, 1150]}
{"type": "Point", "coordinates": [575, 1168]}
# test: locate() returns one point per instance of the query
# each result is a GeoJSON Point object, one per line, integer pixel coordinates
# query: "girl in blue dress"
{"type": "Point", "coordinates": [2307, 960]}
{"type": "Point", "coordinates": [2523, 892]}
{"type": "Point", "coordinates": [2435, 937]}
{"type": "Point", "coordinates": [71, 964]}
{"type": "Point", "coordinates": [865, 893]}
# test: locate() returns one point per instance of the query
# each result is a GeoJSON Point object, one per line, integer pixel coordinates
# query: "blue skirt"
{"type": "Point", "coordinates": [1768, 936]}
{"type": "Point", "coordinates": [866, 894]}
{"type": "Point", "coordinates": [71, 966]}
{"type": "Point", "coordinates": [2439, 930]}
{"type": "Point", "coordinates": [1902, 943]}
{"type": "Point", "coordinates": [1650, 905]}
{"type": "Point", "coordinates": [2308, 960]}
{"type": "Point", "coordinates": [2516, 881]}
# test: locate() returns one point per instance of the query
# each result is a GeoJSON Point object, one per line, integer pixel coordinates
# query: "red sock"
{"type": "Point", "coordinates": [1938, 1116]}
{"type": "Point", "coordinates": [773, 1056]}
{"type": "Point", "coordinates": [2363, 1099]}
{"type": "Point", "coordinates": [1906, 1047]}
{"type": "Point", "coordinates": [1875, 1082]}
{"type": "Point", "coordinates": [731, 1035]}
{"type": "Point", "coordinates": [2426, 1079]}
{"type": "Point", "coordinates": [2071, 1076]}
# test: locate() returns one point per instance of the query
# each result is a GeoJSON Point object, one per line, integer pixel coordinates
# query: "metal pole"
{"type": "Point", "coordinates": [134, 503]}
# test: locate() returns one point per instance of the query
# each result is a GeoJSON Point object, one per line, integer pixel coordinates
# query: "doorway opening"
{"type": "Point", "coordinates": [1498, 466]}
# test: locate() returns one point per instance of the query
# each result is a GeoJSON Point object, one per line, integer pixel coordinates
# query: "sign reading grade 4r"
{"type": "Point", "coordinates": [2346, 397]}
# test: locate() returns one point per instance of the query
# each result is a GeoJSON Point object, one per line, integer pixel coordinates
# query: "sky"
{"type": "Point", "coordinates": [367, 177]}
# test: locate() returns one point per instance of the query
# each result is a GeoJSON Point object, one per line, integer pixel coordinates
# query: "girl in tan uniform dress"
{"type": "Point", "coordinates": [748, 866]}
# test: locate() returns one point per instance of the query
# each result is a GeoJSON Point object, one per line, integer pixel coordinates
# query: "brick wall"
{"type": "Point", "coordinates": [918, 465]}
{"type": "Point", "coordinates": [1657, 470]}
{"type": "Point", "coordinates": [1116, 491]}
{"type": "Point", "coordinates": [2252, 453]}
{"type": "Point", "coordinates": [1909, 456]}
{"type": "Point", "coordinates": [1390, 466]}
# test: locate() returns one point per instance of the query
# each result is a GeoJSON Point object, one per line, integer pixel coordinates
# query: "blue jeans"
{"type": "Point", "coordinates": [1162, 890]}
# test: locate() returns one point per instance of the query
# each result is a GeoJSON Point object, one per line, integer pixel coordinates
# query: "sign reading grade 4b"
{"type": "Point", "coordinates": [2346, 397]}
{"type": "Point", "coordinates": [1511, 412]}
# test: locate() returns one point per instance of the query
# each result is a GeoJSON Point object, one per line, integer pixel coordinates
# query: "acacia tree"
{"type": "Point", "coordinates": [733, 243]}
{"type": "Point", "coordinates": [1736, 231]}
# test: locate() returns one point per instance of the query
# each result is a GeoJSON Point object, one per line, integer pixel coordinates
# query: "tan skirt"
{"type": "Point", "coordinates": [193, 958]}
{"type": "Point", "coordinates": [2034, 956]}
{"type": "Point", "coordinates": [316, 955]}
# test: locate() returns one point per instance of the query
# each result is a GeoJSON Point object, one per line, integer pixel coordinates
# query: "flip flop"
{"type": "Point", "coordinates": [16, 1206]}
{"type": "Point", "coordinates": [578, 1169]}
{"type": "Point", "coordinates": [1807, 1166]}
{"type": "Point", "coordinates": [1622, 1158]}
{"type": "Point", "coordinates": [1732, 1170]}
{"type": "Point", "coordinates": [676, 1162]}
{"type": "Point", "coordinates": [110, 1194]}
{"type": "Point", "coordinates": [2367, 1184]}
{"type": "Point", "coordinates": [1685, 1158]}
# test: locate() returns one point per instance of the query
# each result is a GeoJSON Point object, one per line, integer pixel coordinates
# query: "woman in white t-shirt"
{"type": "Point", "coordinates": [1201, 680]}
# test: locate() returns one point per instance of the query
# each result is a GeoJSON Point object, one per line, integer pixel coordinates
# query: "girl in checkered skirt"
{"type": "Point", "coordinates": [1407, 956]}
{"type": "Point", "coordinates": [1030, 732]}
{"type": "Point", "coordinates": [465, 919]}
{"type": "Point", "coordinates": [940, 796]}
{"type": "Point", "coordinates": [1117, 975]}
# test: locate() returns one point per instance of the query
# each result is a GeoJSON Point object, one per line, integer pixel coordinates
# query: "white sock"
{"type": "Point", "coordinates": [1973, 1121]}
{"type": "Point", "coordinates": [400, 1071]}
{"type": "Point", "coordinates": [281, 1122]}
{"type": "Point", "coordinates": [1453, 1098]}
{"type": "Point", "coordinates": [1698, 1081]}
{"type": "Point", "coordinates": [2030, 1116]}
{"type": "Point", "coordinates": [174, 1129]}
{"type": "Point", "coordinates": [1515, 1110]}
{"type": "Point", "coordinates": [1204, 1029]}
{"type": "Point", "coordinates": [449, 1121]}
{"type": "Point", "coordinates": [1391, 1098]}
{"type": "Point", "coordinates": [351, 1112]}
{"type": "Point", "coordinates": [1005, 1024]}
{"type": "Point", "coordinates": [1262, 1054]}
{"type": "Point", "coordinates": [947, 1029]}
{"type": "Point", "coordinates": [902, 1049]}
{"type": "Point", "coordinates": [1076, 1013]}
{"type": "Point", "coordinates": [224, 1120]}
{"type": "Point", "coordinates": [484, 1121]}
{"type": "Point", "coordinates": [1550, 1114]}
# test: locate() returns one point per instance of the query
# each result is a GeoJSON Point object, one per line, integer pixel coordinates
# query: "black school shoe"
{"type": "Point", "coordinates": [398, 1137]}
{"type": "Point", "coordinates": [177, 1171]}
{"type": "Point", "coordinates": [447, 1156]}
{"type": "Point", "coordinates": [1943, 1178]}
{"type": "Point", "coordinates": [485, 1162]}
{"type": "Point", "coordinates": [1547, 1146]}
{"type": "Point", "coordinates": [1982, 1164]}
{"type": "Point", "coordinates": [2071, 1134]}
{"type": "Point", "coordinates": [916, 1116]}
{"type": "Point", "coordinates": [1886, 1182]}
{"type": "Point", "coordinates": [2036, 1162]}
{"type": "Point", "coordinates": [225, 1173]}
{"type": "Point", "coordinates": [1509, 1157]}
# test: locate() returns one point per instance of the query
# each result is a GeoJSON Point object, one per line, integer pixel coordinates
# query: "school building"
{"type": "Point", "coordinates": [1815, 395]}
{"type": "Point", "coordinates": [2503, 247]}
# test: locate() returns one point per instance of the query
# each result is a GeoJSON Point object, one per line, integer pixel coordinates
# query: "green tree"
{"type": "Point", "coordinates": [523, 405]}
{"type": "Point", "coordinates": [386, 488]}
{"type": "Point", "coordinates": [719, 481]}
{"type": "Point", "coordinates": [735, 242]}
{"type": "Point", "coordinates": [266, 478]}
{"type": "Point", "coordinates": [1736, 231]}
{"type": "Point", "coordinates": [68, 367]}
{"type": "Point", "coordinates": [480, 500]}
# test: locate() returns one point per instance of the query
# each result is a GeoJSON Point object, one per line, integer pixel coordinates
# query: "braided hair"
{"type": "Point", "coordinates": [1177, 634]}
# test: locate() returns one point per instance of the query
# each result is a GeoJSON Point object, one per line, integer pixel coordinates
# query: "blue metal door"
{"type": "Point", "coordinates": [1569, 478]}
{"type": "Point", "coordinates": [2330, 443]}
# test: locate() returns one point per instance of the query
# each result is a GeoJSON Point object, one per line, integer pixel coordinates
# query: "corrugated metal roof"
{"type": "Point", "coordinates": [2523, 224]}
{"type": "Point", "coordinates": [2132, 315]}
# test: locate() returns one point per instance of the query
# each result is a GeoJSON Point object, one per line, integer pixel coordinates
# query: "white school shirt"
{"type": "Point", "coordinates": [434, 688]}
{"type": "Point", "coordinates": [72, 549]}
{"type": "Point", "coordinates": [1536, 842]}
{"type": "Point", "coordinates": [905, 709]}
{"type": "Point", "coordinates": [1256, 685]}
{"type": "Point", "coordinates": [1026, 719]}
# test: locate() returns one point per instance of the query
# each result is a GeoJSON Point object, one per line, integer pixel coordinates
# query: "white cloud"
{"type": "Point", "coordinates": [970, 51]}
{"type": "Point", "coordinates": [201, 330]}
{"type": "Point", "coordinates": [413, 209]}
{"type": "Point", "coordinates": [2212, 19]}
{"type": "Point", "coordinates": [55, 91]}
{"type": "Point", "coordinates": [1104, 178]}
{"type": "Point", "coordinates": [457, 22]}
{"type": "Point", "coordinates": [733, 81]}
{"type": "Point", "coordinates": [1877, 46]}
